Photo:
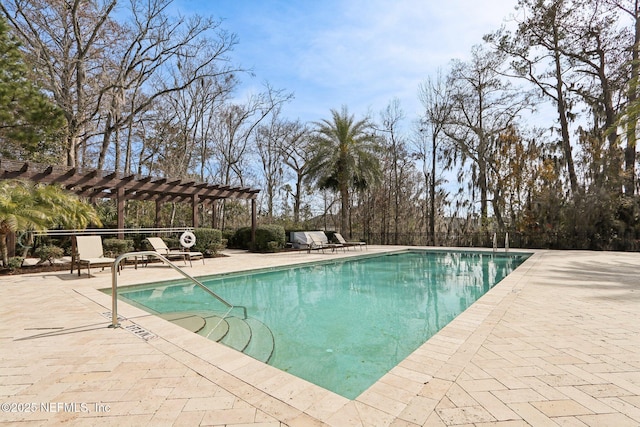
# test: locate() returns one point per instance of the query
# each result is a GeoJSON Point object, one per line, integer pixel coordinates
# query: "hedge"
{"type": "Point", "coordinates": [117, 246]}
{"type": "Point", "coordinates": [269, 238]}
{"type": "Point", "coordinates": [209, 241]}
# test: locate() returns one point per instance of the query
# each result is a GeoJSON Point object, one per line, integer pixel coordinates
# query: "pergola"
{"type": "Point", "coordinates": [97, 184]}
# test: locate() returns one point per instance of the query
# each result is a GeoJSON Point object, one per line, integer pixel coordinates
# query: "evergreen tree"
{"type": "Point", "coordinates": [28, 120]}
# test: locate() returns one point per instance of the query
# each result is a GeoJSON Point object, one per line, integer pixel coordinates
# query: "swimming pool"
{"type": "Point", "coordinates": [341, 324]}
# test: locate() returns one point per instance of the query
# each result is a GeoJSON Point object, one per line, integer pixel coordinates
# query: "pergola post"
{"type": "Point", "coordinates": [194, 210]}
{"type": "Point", "coordinates": [158, 211]}
{"type": "Point", "coordinates": [214, 217]}
{"type": "Point", "coordinates": [120, 209]}
{"type": "Point", "coordinates": [254, 220]}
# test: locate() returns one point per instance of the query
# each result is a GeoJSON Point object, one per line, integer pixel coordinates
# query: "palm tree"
{"type": "Point", "coordinates": [345, 157]}
{"type": "Point", "coordinates": [33, 207]}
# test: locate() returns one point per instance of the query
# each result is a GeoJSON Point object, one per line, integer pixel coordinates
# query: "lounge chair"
{"type": "Point", "coordinates": [160, 246]}
{"type": "Point", "coordinates": [319, 241]}
{"type": "Point", "coordinates": [89, 251]}
{"type": "Point", "coordinates": [343, 242]}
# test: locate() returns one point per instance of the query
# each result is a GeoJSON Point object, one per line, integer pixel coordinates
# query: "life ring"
{"type": "Point", "coordinates": [187, 239]}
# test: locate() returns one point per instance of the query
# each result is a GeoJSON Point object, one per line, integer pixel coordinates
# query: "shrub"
{"type": "Point", "coordinates": [228, 235]}
{"type": "Point", "coordinates": [49, 253]}
{"type": "Point", "coordinates": [117, 246]}
{"type": "Point", "coordinates": [139, 243]}
{"type": "Point", "coordinates": [209, 241]}
{"type": "Point", "coordinates": [269, 238]}
{"type": "Point", "coordinates": [241, 239]}
{"type": "Point", "coordinates": [273, 246]}
{"type": "Point", "coordinates": [172, 242]}
{"type": "Point", "coordinates": [15, 262]}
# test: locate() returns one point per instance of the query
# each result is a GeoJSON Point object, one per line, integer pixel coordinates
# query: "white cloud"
{"type": "Point", "coordinates": [360, 53]}
{"type": "Point", "coordinates": [373, 51]}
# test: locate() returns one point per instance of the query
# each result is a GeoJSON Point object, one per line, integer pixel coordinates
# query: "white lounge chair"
{"type": "Point", "coordinates": [161, 247]}
{"type": "Point", "coordinates": [319, 241]}
{"type": "Point", "coordinates": [89, 252]}
{"type": "Point", "coordinates": [343, 242]}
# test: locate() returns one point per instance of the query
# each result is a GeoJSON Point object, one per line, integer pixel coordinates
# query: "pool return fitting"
{"type": "Point", "coordinates": [114, 284]}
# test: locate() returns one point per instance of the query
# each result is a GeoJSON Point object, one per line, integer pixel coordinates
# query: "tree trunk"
{"type": "Point", "coordinates": [3, 249]}
{"type": "Point", "coordinates": [432, 213]}
{"type": "Point", "coordinates": [630, 150]}
{"type": "Point", "coordinates": [296, 200]}
{"type": "Point", "coordinates": [562, 115]}
{"type": "Point", "coordinates": [344, 214]}
{"type": "Point", "coordinates": [482, 184]}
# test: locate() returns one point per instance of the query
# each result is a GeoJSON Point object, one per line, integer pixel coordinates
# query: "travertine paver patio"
{"type": "Point", "coordinates": [555, 343]}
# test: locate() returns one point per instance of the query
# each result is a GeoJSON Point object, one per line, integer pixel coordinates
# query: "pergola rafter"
{"type": "Point", "coordinates": [95, 184]}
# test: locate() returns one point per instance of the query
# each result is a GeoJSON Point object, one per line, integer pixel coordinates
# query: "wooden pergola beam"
{"type": "Point", "coordinates": [93, 183]}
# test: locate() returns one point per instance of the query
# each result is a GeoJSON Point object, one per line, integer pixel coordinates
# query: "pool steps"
{"type": "Point", "coordinates": [239, 334]}
{"type": "Point", "coordinates": [262, 342]}
{"type": "Point", "coordinates": [249, 336]}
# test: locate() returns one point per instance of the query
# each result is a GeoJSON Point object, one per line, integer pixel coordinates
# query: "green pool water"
{"type": "Point", "coordinates": [343, 324]}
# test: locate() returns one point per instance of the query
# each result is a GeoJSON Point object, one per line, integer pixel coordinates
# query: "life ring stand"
{"type": "Point", "coordinates": [187, 239]}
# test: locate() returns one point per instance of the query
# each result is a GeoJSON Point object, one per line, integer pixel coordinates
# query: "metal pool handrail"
{"type": "Point", "coordinates": [114, 283]}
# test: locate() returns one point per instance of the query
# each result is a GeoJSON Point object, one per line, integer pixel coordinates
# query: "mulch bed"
{"type": "Point", "coordinates": [41, 268]}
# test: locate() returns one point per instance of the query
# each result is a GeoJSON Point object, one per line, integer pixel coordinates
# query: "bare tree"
{"type": "Point", "coordinates": [631, 8]}
{"type": "Point", "coordinates": [435, 96]}
{"type": "Point", "coordinates": [93, 64]}
{"type": "Point", "coordinates": [268, 139]}
{"type": "Point", "coordinates": [484, 105]}
{"type": "Point", "coordinates": [66, 41]}
{"type": "Point", "coordinates": [598, 47]}
{"type": "Point", "coordinates": [233, 131]}
{"type": "Point", "coordinates": [296, 153]}
{"type": "Point", "coordinates": [537, 47]}
{"type": "Point", "coordinates": [195, 114]}
{"type": "Point", "coordinates": [160, 56]}
{"type": "Point", "coordinates": [391, 118]}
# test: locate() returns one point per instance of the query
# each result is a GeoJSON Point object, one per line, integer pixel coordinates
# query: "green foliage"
{"type": "Point", "coordinates": [172, 242]}
{"type": "Point", "coordinates": [227, 235]}
{"type": "Point", "coordinates": [32, 207]}
{"type": "Point", "coordinates": [241, 239]}
{"type": "Point", "coordinates": [269, 238]}
{"type": "Point", "coordinates": [29, 122]}
{"type": "Point", "coordinates": [209, 241]}
{"type": "Point", "coordinates": [138, 241]}
{"type": "Point", "coordinates": [117, 247]}
{"type": "Point", "coordinates": [49, 253]}
{"type": "Point", "coordinates": [346, 156]}
{"type": "Point", "coordinates": [265, 234]}
{"type": "Point", "coordinates": [14, 262]}
{"type": "Point", "coordinates": [273, 246]}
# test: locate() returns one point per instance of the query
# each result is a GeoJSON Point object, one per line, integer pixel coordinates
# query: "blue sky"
{"type": "Point", "coordinates": [358, 53]}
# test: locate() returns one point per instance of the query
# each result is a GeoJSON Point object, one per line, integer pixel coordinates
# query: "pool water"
{"type": "Point", "coordinates": [343, 324]}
